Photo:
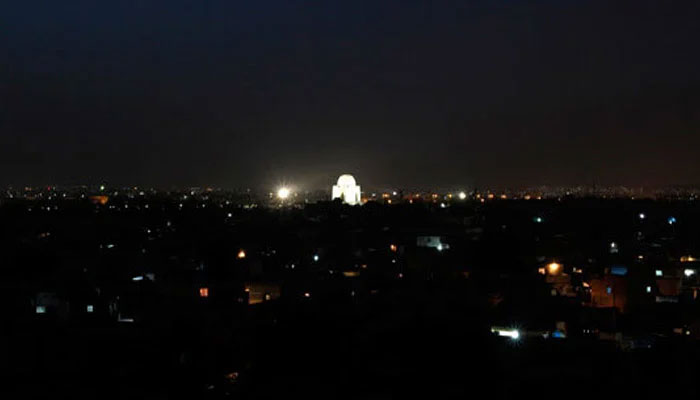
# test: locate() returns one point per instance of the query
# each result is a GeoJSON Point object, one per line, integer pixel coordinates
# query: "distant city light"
{"type": "Point", "coordinates": [659, 272]}
{"type": "Point", "coordinates": [539, 220]}
{"type": "Point", "coordinates": [439, 247]}
{"type": "Point", "coordinates": [316, 257]}
{"type": "Point", "coordinates": [689, 272]}
{"type": "Point", "coordinates": [241, 255]}
{"type": "Point", "coordinates": [642, 216]}
{"type": "Point", "coordinates": [393, 248]}
{"type": "Point", "coordinates": [90, 308]}
{"type": "Point", "coordinates": [124, 319]}
{"type": "Point", "coordinates": [671, 220]}
{"type": "Point", "coordinates": [648, 289]}
{"type": "Point", "coordinates": [137, 278]}
{"type": "Point", "coordinates": [462, 195]}
{"type": "Point", "coordinates": [283, 193]}
{"type": "Point", "coordinates": [511, 333]}
{"type": "Point", "coordinates": [686, 259]}
{"type": "Point", "coordinates": [40, 310]}
{"type": "Point", "coordinates": [203, 292]}
{"type": "Point", "coordinates": [307, 295]}
{"type": "Point", "coordinates": [553, 268]}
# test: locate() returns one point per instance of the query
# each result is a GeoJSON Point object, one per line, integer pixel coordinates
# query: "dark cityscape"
{"type": "Point", "coordinates": [354, 200]}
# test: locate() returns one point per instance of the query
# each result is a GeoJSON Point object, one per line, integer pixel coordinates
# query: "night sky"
{"type": "Point", "coordinates": [409, 93]}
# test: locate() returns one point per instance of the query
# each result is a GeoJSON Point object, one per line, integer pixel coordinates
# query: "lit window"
{"type": "Point", "coordinates": [203, 292]}
{"type": "Point", "coordinates": [40, 310]}
{"type": "Point", "coordinates": [90, 308]}
{"type": "Point", "coordinates": [659, 272]}
{"type": "Point", "coordinates": [689, 272]}
{"type": "Point", "coordinates": [648, 289]}
{"type": "Point", "coordinates": [609, 290]}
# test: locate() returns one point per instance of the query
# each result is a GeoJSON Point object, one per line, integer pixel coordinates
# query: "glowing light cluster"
{"type": "Point", "coordinates": [284, 193]}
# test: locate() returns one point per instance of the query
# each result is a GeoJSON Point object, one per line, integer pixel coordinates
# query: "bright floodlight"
{"type": "Point", "coordinates": [511, 333]}
{"type": "Point", "coordinates": [283, 193]}
{"type": "Point", "coordinates": [462, 195]}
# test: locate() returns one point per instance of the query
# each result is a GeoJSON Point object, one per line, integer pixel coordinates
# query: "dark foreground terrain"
{"type": "Point", "coordinates": [329, 301]}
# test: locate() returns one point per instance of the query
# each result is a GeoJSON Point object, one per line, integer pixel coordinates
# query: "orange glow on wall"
{"type": "Point", "coordinates": [101, 200]}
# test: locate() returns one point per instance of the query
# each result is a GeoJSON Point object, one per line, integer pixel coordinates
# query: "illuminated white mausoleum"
{"type": "Point", "coordinates": [347, 190]}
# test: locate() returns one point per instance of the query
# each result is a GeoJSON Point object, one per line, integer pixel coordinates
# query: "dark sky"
{"type": "Point", "coordinates": [417, 93]}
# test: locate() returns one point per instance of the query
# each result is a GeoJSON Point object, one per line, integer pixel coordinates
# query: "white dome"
{"type": "Point", "coordinates": [346, 180]}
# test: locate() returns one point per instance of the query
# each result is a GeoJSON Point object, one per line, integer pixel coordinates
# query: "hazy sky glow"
{"type": "Point", "coordinates": [501, 93]}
